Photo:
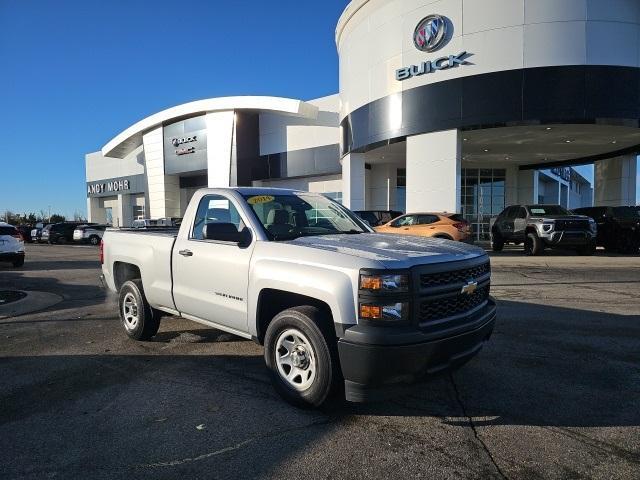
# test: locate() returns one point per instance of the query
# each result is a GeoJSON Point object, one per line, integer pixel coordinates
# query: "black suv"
{"type": "Point", "coordinates": [375, 218]}
{"type": "Point", "coordinates": [618, 227]}
{"type": "Point", "coordinates": [540, 226]}
{"type": "Point", "coordinates": [60, 232]}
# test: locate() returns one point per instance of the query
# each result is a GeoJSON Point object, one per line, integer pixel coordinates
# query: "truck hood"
{"type": "Point", "coordinates": [392, 251]}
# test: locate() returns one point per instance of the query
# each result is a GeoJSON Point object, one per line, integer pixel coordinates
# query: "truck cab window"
{"type": "Point", "coordinates": [215, 209]}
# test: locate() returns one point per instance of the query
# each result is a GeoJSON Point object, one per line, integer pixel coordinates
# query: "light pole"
{"type": "Point", "coordinates": [49, 213]}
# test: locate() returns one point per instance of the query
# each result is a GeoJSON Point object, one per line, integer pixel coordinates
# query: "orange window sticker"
{"type": "Point", "coordinates": [260, 199]}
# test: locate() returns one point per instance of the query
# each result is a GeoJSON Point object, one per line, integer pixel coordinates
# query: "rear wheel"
{"type": "Point", "coordinates": [18, 263]}
{"type": "Point", "coordinates": [497, 242]}
{"type": "Point", "coordinates": [533, 245]}
{"type": "Point", "coordinates": [140, 321]}
{"type": "Point", "coordinates": [94, 240]}
{"type": "Point", "coordinates": [301, 356]}
{"type": "Point", "coordinates": [61, 240]}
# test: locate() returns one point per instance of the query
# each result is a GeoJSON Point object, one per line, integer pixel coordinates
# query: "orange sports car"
{"type": "Point", "coordinates": [450, 226]}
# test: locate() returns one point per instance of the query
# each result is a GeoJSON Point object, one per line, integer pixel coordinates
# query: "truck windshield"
{"type": "Point", "coordinates": [548, 210]}
{"type": "Point", "coordinates": [286, 217]}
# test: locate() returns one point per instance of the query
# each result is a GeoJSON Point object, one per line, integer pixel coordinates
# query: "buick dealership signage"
{"type": "Point", "coordinates": [431, 34]}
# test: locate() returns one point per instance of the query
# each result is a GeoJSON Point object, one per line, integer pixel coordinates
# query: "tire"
{"type": "Point", "coordinates": [587, 250]}
{"type": "Point", "coordinates": [139, 320]}
{"type": "Point", "coordinates": [533, 245]}
{"type": "Point", "coordinates": [305, 330]}
{"type": "Point", "coordinates": [497, 242]}
{"type": "Point", "coordinates": [61, 240]}
{"type": "Point", "coordinates": [18, 263]}
{"type": "Point", "coordinates": [94, 240]}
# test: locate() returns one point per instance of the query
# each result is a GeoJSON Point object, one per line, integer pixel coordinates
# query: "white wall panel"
{"type": "Point", "coordinates": [612, 43]}
{"type": "Point", "coordinates": [481, 15]}
{"type": "Point", "coordinates": [561, 43]}
{"type": "Point", "coordinates": [614, 10]}
{"type": "Point", "coordinates": [539, 11]}
{"type": "Point", "coordinates": [219, 139]}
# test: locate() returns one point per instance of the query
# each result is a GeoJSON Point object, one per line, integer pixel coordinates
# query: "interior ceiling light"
{"type": "Point", "coordinates": [548, 128]}
{"type": "Point", "coordinates": [486, 150]}
{"type": "Point", "coordinates": [614, 142]}
{"type": "Point", "coordinates": [568, 141]}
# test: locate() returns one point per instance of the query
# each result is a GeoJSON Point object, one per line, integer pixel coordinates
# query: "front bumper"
{"type": "Point", "coordinates": [569, 238]}
{"type": "Point", "coordinates": [377, 368]}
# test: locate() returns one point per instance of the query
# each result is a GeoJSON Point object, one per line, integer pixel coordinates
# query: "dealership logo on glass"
{"type": "Point", "coordinates": [431, 33]}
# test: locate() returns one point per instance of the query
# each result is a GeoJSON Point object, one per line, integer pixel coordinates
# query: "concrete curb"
{"type": "Point", "coordinates": [33, 302]}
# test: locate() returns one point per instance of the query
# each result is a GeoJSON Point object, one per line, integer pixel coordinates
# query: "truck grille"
{"type": "Point", "coordinates": [439, 308]}
{"type": "Point", "coordinates": [428, 280]}
{"type": "Point", "coordinates": [580, 225]}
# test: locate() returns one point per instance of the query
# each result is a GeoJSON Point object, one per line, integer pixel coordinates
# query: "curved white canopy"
{"type": "Point", "coordinates": [131, 138]}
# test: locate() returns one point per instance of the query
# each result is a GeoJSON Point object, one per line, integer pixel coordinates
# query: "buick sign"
{"type": "Point", "coordinates": [431, 33]}
{"type": "Point", "coordinates": [181, 141]}
{"type": "Point", "coordinates": [442, 63]}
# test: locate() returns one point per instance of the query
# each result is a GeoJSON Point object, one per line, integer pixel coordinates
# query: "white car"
{"type": "Point", "coordinates": [11, 245]}
{"type": "Point", "coordinates": [89, 234]}
{"type": "Point", "coordinates": [159, 222]}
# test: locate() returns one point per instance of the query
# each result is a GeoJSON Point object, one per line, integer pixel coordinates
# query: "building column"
{"type": "Point", "coordinates": [528, 182]}
{"type": "Point", "coordinates": [615, 181]}
{"type": "Point", "coordinates": [353, 181]}
{"type": "Point", "coordinates": [124, 211]}
{"type": "Point", "coordinates": [434, 172]}
{"type": "Point", "coordinates": [219, 149]}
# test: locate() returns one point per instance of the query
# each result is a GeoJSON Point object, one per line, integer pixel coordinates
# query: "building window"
{"type": "Point", "coordinates": [138, 212]}
{"type": "Point", "coordinates": [337, 196]}
{"type": "Point", "coordinates": [483, 197]}
{"type": "Point", "coordinates": [108, 216]}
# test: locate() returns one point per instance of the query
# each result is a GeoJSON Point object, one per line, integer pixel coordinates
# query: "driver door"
{"type": "Point", "coordinates": [211, 278]}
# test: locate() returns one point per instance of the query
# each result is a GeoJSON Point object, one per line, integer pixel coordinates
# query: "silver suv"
{"type": "Point", "coordinates": [541, 226]}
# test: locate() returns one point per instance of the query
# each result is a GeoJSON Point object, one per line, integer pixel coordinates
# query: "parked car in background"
{"type": "Point", "coordinates": [25, 231]}
{"type": "Point", "coordinates": [450, 226]}
{"type": "Point", "coordinates": [59, 232]}
{"type": "Point", "coordinates": [11, 245]}
{"type": "Point", "coordinates": [37, 231]}
{"type": "Point", "coordinates": [618, 227]}
{"type": "Point", "coordinates": [89, 233]}
{"type": "Point", "coordinates": [542, 226]}
{"type": "Point", "coordinates": [43, 231]}
{"type": "Point", "coordinates": [377, 217]}
{"type": "Point", "coordinates": [157, 222]}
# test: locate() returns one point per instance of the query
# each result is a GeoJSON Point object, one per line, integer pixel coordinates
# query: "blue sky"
{"type": "Point", "coordinates": [77, 72]}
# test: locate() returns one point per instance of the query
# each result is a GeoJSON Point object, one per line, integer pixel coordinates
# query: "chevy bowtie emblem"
{"type": "Point", "coordinates": [470, 288]}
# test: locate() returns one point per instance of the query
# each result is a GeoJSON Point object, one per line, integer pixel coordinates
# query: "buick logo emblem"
{"type": "Point", "coordinates": [431, 33]}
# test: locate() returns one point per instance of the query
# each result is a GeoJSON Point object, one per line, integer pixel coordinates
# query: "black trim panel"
{"type": "Point", "coordinates": [565, 94]}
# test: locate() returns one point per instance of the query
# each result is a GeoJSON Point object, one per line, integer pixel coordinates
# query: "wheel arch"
{"type": "Point", "coordinates": [123, 272]}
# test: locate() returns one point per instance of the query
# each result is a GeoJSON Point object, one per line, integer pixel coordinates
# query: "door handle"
{"type": "Point", "coordinates": [186, 253]}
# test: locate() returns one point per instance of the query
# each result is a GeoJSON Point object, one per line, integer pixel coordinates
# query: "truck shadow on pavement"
{"type": "Point", "coordinates": [545, 366]}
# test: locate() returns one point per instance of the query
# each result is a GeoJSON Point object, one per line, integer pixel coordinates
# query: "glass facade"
{"type": "Point", "coordinates": [483, 197]}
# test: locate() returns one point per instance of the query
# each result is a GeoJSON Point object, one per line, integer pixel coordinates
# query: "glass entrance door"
{"type": "Point", "coordinates": [483, 197]}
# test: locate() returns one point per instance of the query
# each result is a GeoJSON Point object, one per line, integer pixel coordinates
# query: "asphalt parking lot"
{"type": "Point", "coordinates": [556, 394]}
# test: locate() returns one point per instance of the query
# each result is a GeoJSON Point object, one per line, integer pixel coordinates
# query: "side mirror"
{"type": "Point", "coordinates": [226, 232]}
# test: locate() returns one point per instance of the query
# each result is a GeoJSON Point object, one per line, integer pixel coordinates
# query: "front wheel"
{"type": "Point", "coordinates": [301, 356]}
{"type": "Point", "coordinates": [18, 263]}
{"type": "Point", "coordinates": [139, 320]}
{"type": "Point", "coordinates": [533, 245]}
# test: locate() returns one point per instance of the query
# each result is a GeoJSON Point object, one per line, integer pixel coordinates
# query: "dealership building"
{"type": "Point", "coordinates": [444, 105]}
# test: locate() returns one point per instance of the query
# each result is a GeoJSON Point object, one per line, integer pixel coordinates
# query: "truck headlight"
{"type": "Point", "coordinates": [548, 226]}
{"type": "Point", "coordinates": [384, 283]}
{"type": "Point", "coordinates": [390, 312]}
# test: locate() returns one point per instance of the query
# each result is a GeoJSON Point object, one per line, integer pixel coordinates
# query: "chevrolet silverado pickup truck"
{"type": "Point", "coordinates": [338, 307]}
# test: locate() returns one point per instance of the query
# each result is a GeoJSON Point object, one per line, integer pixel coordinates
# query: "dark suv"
{"type": "Point", "coordinates": [618, 227]}
{"type": "Point", "coordinates": [60, 232]}
{"type": "Point", "coordinates": [541, 226]}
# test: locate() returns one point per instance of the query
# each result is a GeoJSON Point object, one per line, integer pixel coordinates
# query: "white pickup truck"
{"type": "Point", "coordinates": [334, 303]}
